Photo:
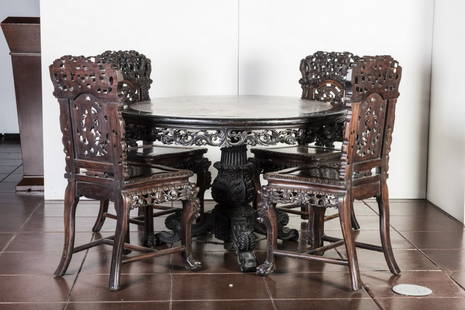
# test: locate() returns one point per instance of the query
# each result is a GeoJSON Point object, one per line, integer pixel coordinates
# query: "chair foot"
{"type": "Point", "coordinates": [265, 269]}
{"type": "Point", "coordinates": [192, 264]}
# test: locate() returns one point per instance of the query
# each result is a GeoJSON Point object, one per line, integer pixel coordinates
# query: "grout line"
{"type": "Point", "coordinates": [77, 274]}
{"type": "Point", "coordinates": [269, 293]}
{"type": "Point", "coordinates": [21, 227]}
{"type": "Point", "coordinates": [10, 173]}
{"type": "Point", "coordinates": [372, 295]}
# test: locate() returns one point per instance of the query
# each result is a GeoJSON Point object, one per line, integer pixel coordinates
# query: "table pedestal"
{"type": "Point", "coordinates": [233, 219]}
{"type": "Point", "coordinates": [233, 190]}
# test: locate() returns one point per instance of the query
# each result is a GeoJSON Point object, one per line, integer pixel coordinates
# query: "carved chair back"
{"type": "Point", "coordinates": [92, 93]}
{"type": "Point", "coordinates": [370, 120]}
{"type": "Point", "coordinates": [324, 76]}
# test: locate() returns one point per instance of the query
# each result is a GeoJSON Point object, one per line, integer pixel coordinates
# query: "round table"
{"type": "Point", "coordinates": [233, 123]}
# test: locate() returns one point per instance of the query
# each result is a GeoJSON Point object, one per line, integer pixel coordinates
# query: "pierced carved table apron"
{"type": "Point", "coordinates": [233, 123]}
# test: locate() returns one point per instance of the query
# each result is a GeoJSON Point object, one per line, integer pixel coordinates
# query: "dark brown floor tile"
{"type": "Point", "coordinates": [223, 305]}
{"type": "Point", "coordinates": [453, 260]}
{"type": "Point", "coordinates": [10, 155]}
{"type": "Point", "coordinates": [436, 240]}
{"type": "Point", "coordinates": [43, 242]}
{"type": "Point", "coordinates": [30, 288]}
{"type": "Point", "coordinates": [373, 237]}
{"type": "Point", "coordinates": [218, 286]}
{"type": "Point", "coordinates": [85, 208]}
{"type": "Point", "coordinates": [32, 306]}
{"type": "Point", "coordinates": [36, 263]}
{"type": "Point", "coordinates": [11, 223]}
{"type": "Point", "coordinates": [459, 277]}
{"type": "Point", "coordinates": [408, 207]}
{"type": "Point", "coordinates": [380, 283]}
{"type": "Point", "coordinates": [408, 260]}
{"type": "Point", "coordinates": [367, 222]}
{"type": "Point", "coordinates": [56, 224]}
{"type": "Point", "coordinates": [98, 261]}
{"type": "Point", "coordinates": [292, 265]}
{"type": "Point", "coordinates": [312, 285]}
{"type": "Point", "coordinates": [8, 187]}
{"type": "Point", "coordinates": [7, 169]}
{"type": "Point", "coordinates": [160, 305]}
{"type": "Point", "coordinates": [19, 212]}
{"type": "Point", "coordinates": [328, 304]}
{"type": "Point", "coordinates": [426, 222]}
{"type": "Point", "coordinates": [422, 303]}
{"type": "Point", "coordinates": [4, 238]}
{"type": "Point", "coordinates": [212, 262]}
{"type": "Point", "coordinates": [38, 222]}
{"type": "Point", "coordinates": [133, 288]}
{"type": "Point", "coordinates": [12, 203]}
{"type": "Point", "coordinates": [361, 208]}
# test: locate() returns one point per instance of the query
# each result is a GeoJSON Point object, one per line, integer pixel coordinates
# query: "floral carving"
{"type": "Point", "coordinates": [324, 75]}
{"type": "Point", "coordinates": [370, 128]}
{"type": "Point", "coordinates": [296, 196]}
{"type": "Point", "coordinates": [157, 195]}
{"type": "Point", "coordinates": [227, 137]}
{"type": "Point", "coordinates": [93, 142]}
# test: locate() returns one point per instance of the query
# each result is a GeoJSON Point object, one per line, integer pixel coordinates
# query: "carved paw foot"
{"type": "Point", "coordinates": [247, 261]}
{"type": "Point", "coordinates": [265, 269]}
{"type": "Point", "coordinates": [192, 264]}
{"type": "Point", "coordinates": [150, 241]}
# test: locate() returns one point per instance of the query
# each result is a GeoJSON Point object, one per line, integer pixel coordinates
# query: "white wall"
{"type": "Point", "coordinates": [446, 164]}
{"type": "Point", "coordinates": [8, 117]}
{"type": "Point", "coordinates": [248, 47]}
{"type": "Point", "coordinates": [276, 34]}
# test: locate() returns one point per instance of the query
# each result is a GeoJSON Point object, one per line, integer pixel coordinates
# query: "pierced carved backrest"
{"type": "Point", "coordinates": [92, 92]}
{"type": "Point", "coordinates": [324, 75]}
{"type": "Point", "coordinates": [370, 122]}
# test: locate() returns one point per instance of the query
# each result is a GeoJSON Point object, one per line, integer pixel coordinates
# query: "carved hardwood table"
{"type": "Point", "coordinates": [233, 123]}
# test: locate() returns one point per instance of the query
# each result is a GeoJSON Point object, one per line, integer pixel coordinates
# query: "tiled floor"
{"type": "Point", "coordinates": [429, 246]}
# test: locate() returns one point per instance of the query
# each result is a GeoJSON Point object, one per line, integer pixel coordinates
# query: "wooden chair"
{"type": "Point", "coordinates": [175, 157]}
{"type": "Point", "coordinates": [324, 78]}
{"type": "Point", "coordinates": [359, 173]}
{"type": "Point", "coordinates": [92, 93]}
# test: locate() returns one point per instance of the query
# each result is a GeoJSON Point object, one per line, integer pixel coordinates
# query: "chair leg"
{"type": "Point", "coordinates": [122, 212]}
{"type": "Point", "coordinates": [267, 215]}
{"type": "Point", "coordinates": [203, 180]}
{"type": "Point", "coordinates": [101, 215]}
{"type": "Point", "coordinates": [316, 224]}
{"type": "Point", "coordinates": [189, 213]}
{"type": "Point", "coordinates": [383, 205]}
{"type": "Point", "coordinates": [71, 201]}
{"type": "Point", "coordinates": [345, 205]}
{"type": "Point", "coordinates": [149, 237]}
{"type": "Point", "coordinates": [355, 224]}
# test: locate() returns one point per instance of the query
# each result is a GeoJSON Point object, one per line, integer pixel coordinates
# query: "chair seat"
{"type": "Point", "coordinates": [160, 153]}
{"type": "Point", "coordinates": [325, 174]}
{"type": "Point", "coordinates": [297, 153]}
{"type": "Point", "coordinates": [148, 173]}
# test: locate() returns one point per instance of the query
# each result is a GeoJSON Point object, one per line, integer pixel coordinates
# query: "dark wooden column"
{"type": "Point", "coordinates": [23, 37]}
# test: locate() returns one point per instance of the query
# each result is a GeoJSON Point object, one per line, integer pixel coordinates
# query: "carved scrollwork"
{"type": "Point", "coordinates": [377, 74]}
{"type": "Point", "coordinates": [227, 137]}
{"type": "Point", "coordinates": [310, 198]}
{"type": "Point", "coordinates": [370, 133]}
{"type": "Point", "coordinates": [157, 195]}
{"type": "Point", "coordinates": [122, 76]}
{"type": "Point", "coordinates": [324, 75]}
{"type": "Point", "coordinates": [92, 132]}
